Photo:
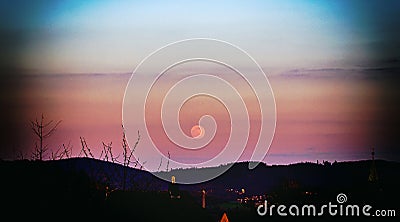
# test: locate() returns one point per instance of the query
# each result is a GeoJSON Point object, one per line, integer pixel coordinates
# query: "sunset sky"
{"type": "Point", "coordinates": [333, 67]}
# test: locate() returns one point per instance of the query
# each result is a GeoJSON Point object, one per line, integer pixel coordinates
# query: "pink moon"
{"type": "Point", "coordinates": [197, 131]}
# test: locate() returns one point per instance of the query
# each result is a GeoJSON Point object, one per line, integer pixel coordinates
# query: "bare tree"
{"type": "Point", "coordinates": [108, 154]}
{"type": "Point", "coordinates": [96, 170]}
{"type": "Point", "coordinates": [169, 157]}
{"type": "Point", "coordinates": [67, 150]}
{"type": "Point", "coordinates": [159, 166]}
{"type": "Point", "coordinates": [127, 153]}
{"type": "Point", "coordinates": [42, 130]}
{"type": "Point", "coordinates": [85, 148]}
{"type": "Point", "coordinates": [62, 152]}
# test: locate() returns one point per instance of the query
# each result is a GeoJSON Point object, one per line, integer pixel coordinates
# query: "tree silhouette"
{"type": "Point", "coordinates": [85, 148]}
{"type": "Point", "coordinates": [169, 157]}
{"type": "Point", "coordinates": [62, 152]}
{"type": "Point", "coordinates": [127, 155]}
{"type": "Point", "coordinates": [42, 130]}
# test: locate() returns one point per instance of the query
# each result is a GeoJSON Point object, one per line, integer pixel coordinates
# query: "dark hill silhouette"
{"type": "Point", "coordinates": [92, 188]}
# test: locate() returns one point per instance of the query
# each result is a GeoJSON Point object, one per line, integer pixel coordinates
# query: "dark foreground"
{"type": "Point", "coordinates": [87, 189]}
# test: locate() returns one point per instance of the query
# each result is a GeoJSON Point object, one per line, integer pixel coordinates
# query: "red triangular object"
{"type": "Point", "coordinates": [224, 218]}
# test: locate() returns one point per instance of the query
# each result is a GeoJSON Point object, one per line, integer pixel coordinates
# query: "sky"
{"type": "Point", "coordinates": [332, 67]}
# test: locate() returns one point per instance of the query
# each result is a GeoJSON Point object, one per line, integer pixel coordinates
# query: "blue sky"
{"type": "Point", "coordinates": [110, 36]}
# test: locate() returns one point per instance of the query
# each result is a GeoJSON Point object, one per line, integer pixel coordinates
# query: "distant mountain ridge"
{"type": "Point", "coordinates": [263, 178]}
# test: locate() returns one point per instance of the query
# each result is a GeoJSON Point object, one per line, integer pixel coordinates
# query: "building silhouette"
{"type": "Point", "coordinates": [373, 176]}
{"type": "Point", "coordinates": [173, 189]}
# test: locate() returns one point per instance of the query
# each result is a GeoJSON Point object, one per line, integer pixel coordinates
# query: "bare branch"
{"type": "Point", "coordinates": [142, 165]}
{"type": "Point", "coordinates": [105, 152]}
{"type": "Point", "coordinates": [127, 153]}
{"type": "Point", "coordinates": [158, 169]}
{"type": "Point", "coordinates": [107, 148]}
{"type": "Point", "coordinates": [83, 147]}
{"type": "Point", "coordinates": [136, 162]}
{"type": "Point", "coordinates": [52, 130]}
{"type": "Point", "coordinates": [66, 151]}
{"type": "Point", "coordinates": [84, 144]}
{"type": "Point", "coordinates": [55, 155]}
{"type": "Point", "coordinates": [42, 131]}
{"type": "Point", "coordinates": [134, 147]}
{"type": "Point", "coordinates": [47, 124]}
{"type": "Point", "coordinates": [169, 157]}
